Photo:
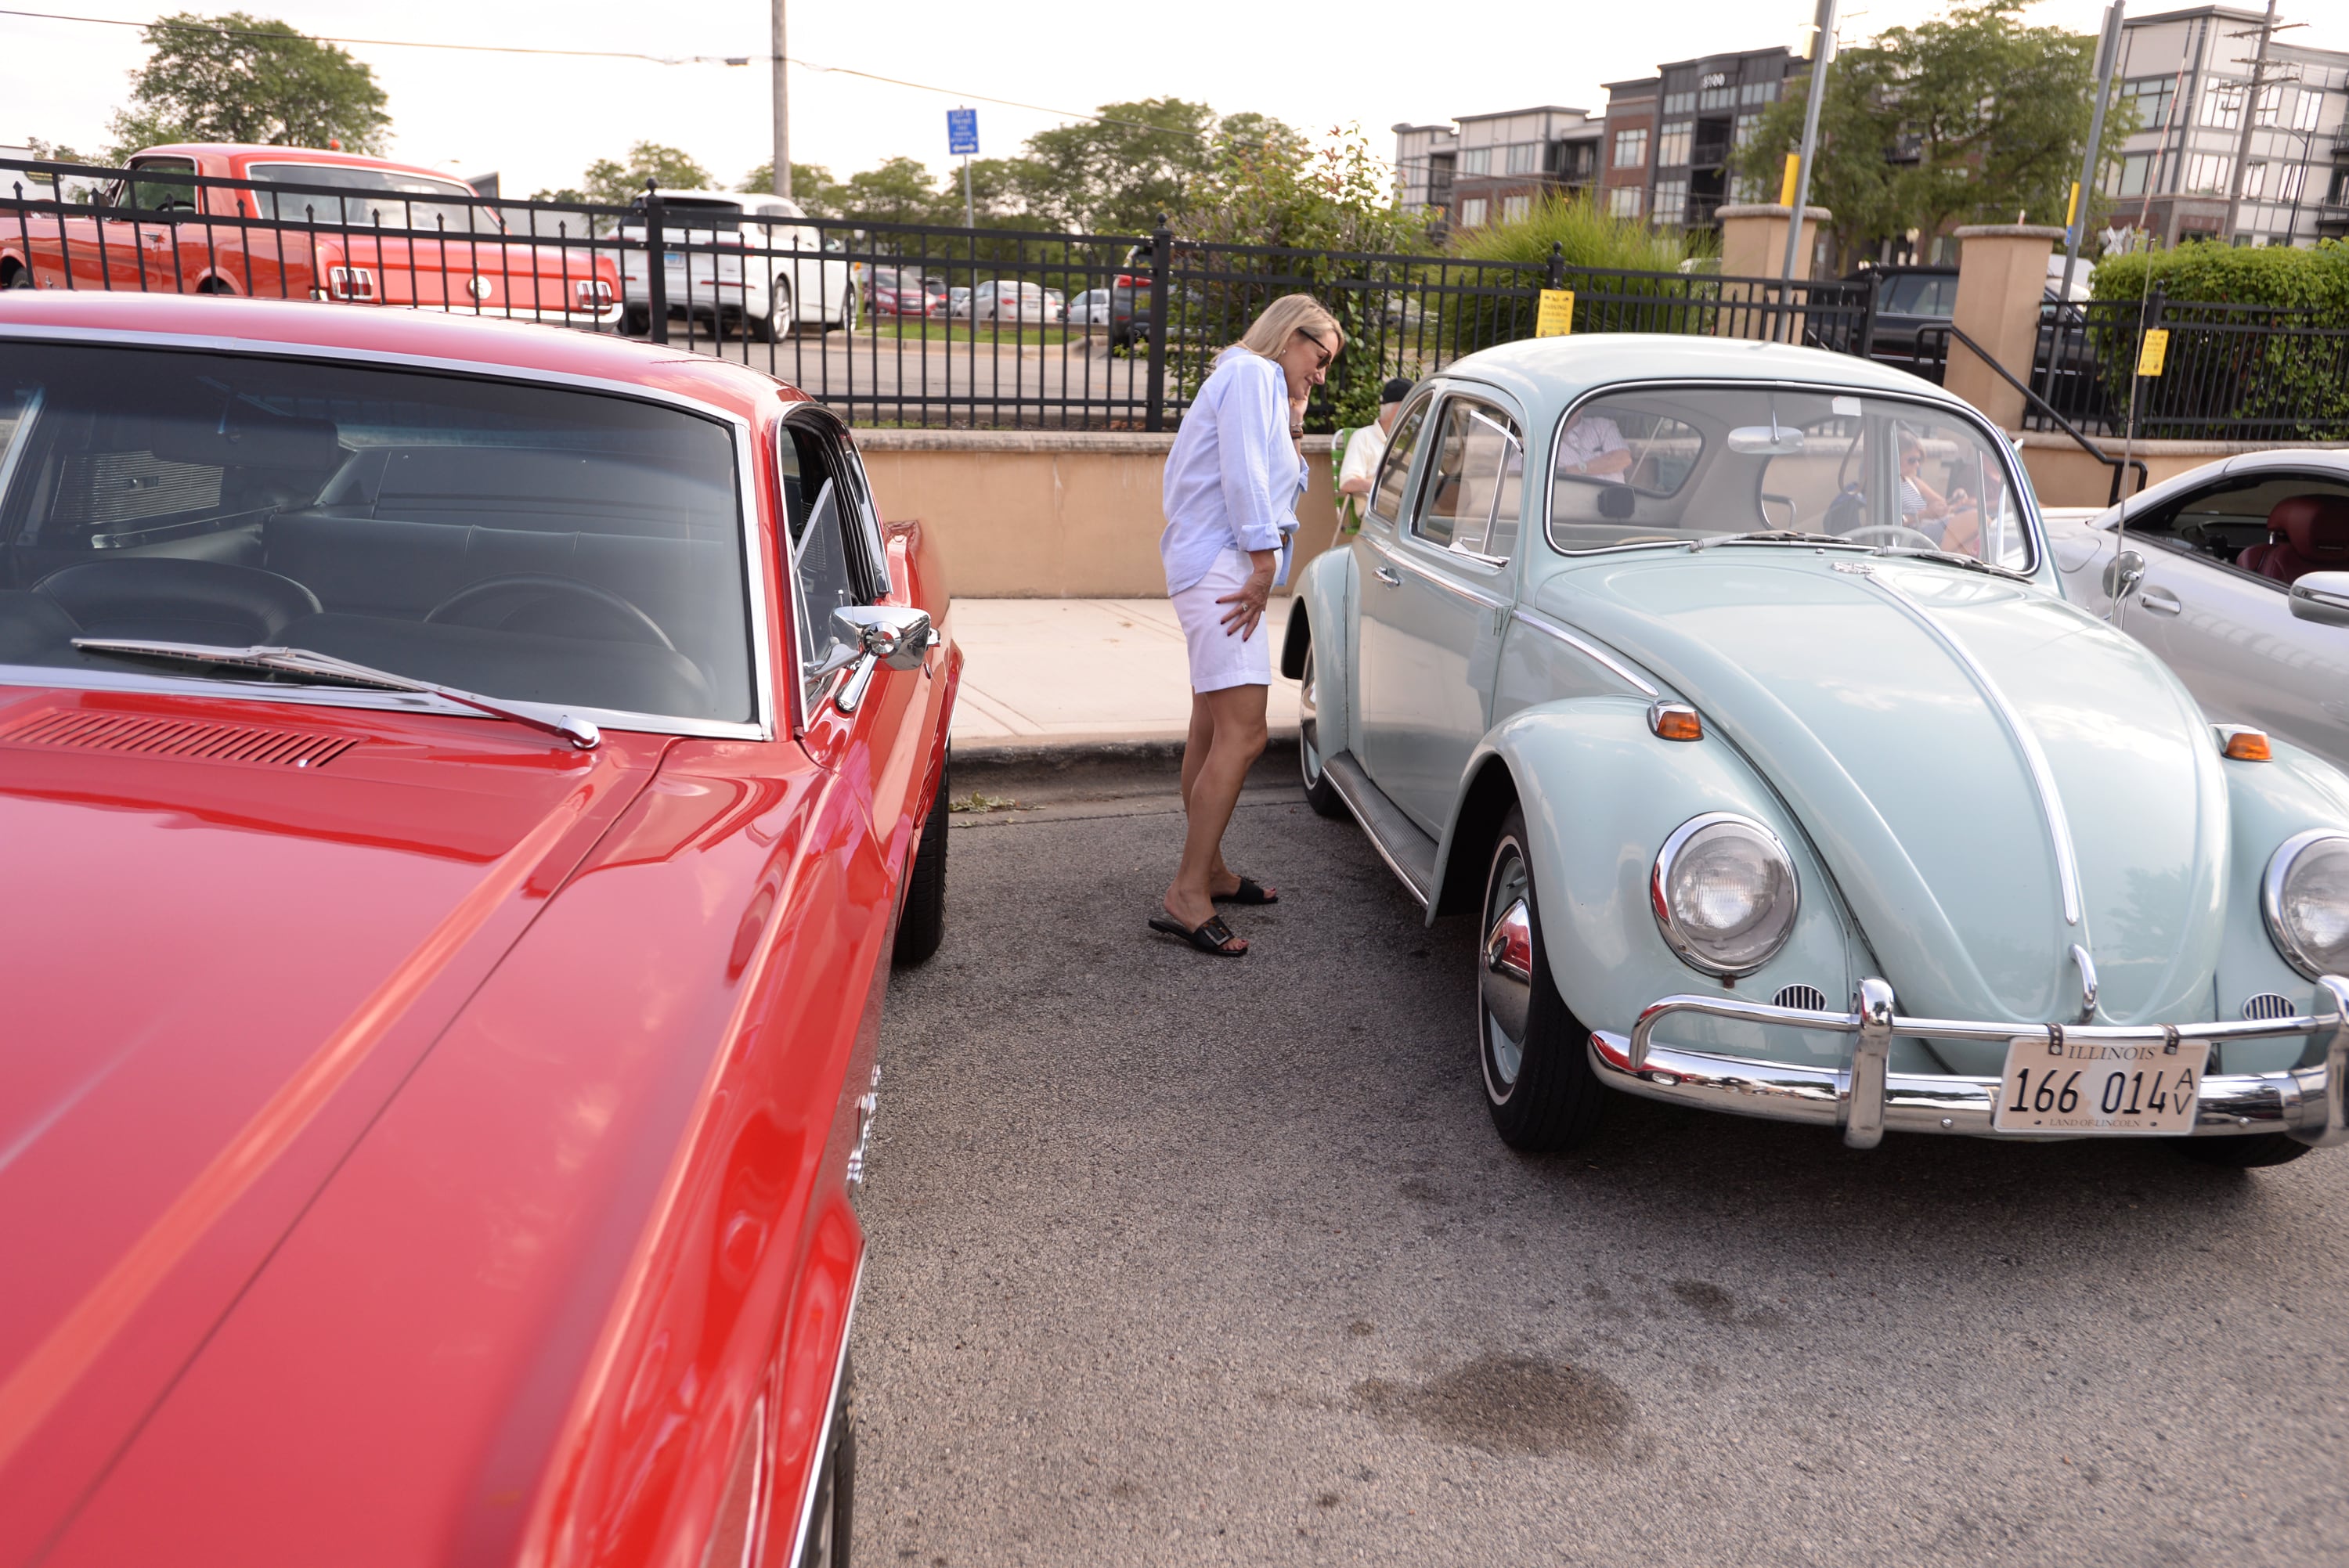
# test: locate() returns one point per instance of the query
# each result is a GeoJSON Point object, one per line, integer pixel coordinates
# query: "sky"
{"type": "Point", "coordinates": [538, 122]}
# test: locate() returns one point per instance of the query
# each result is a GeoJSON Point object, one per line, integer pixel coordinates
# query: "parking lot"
{"type": "Point", "coordinates": [1178, 1260]}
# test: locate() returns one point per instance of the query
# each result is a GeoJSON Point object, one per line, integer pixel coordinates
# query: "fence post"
{"type": "Point", "coordinates": [1557, 264]}
{"type": "Point", "coordinates": [1153, 413]}
{"type": "Point", "coordinates": [1867, 321]}
{"type": "Point", "coordinates": [655, 267]}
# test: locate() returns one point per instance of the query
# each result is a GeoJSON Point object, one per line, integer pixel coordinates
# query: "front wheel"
{"type": "Point", "coordinates": [1535, 1054]}
{"type": "Point", "coordinates": [832, 1520]}
{"type": "Point", "coordinates": [778, 322]}
{"type": "Point", "coordinates": [1319, 793]}
{"type": "Point", "coordinates": [923, 925]}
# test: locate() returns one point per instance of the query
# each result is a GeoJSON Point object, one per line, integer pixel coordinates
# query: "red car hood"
{"type": "Point", "coordinates": [224, 951]}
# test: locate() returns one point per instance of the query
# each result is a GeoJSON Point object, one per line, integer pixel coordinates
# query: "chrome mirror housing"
{"type": "Point", "coordinates": [2122, 574]}
{"type": "Point", "coordinates": [896, 636]}
{"type": "Point", "coordinates": [2322, 597]}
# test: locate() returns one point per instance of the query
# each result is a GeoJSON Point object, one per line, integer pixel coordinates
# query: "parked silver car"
{"type": "Point", "coordinates": [2237, 574]}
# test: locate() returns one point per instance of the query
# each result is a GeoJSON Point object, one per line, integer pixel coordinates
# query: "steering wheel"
{"type": "Point", "coordinates": [1892, 533]}
{"type": "Point", "coordinates": [179, 600]}
{"type": "Point", "coordinates": [538, 602]}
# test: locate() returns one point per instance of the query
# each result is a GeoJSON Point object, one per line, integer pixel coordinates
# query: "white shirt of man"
{"type": "Point", "coordinates": [1589, 437]}
{"type": "Point", "coordinates": [1364, 448]}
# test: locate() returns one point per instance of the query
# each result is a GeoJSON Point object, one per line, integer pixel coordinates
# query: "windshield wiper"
{"type": "Point", "coordinates": [1971, 563]}
{"type": "Point", "coordinates": [1771, 536]}
{"type": "Point", "coordinates": [325, 667]}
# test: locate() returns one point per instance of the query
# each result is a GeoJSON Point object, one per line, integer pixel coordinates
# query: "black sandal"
{"type": "Point", "coordinates": [1210, 935]}
{"type": "Point", "coordinates": [1250, 891]}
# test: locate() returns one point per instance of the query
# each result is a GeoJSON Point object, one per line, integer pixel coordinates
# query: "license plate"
{"type": "Point", "coordinates": [2078, 1087]}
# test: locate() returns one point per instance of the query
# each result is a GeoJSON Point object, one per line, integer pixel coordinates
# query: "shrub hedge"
{"type": "Point", "coordinates": [2259, 341]}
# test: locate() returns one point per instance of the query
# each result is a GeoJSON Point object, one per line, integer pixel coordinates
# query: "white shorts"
{"type": "Point", "coordinates": [1219, 661]}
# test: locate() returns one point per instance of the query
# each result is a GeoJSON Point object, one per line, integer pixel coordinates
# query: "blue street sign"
{"type": "Point", "coordinates": [962, 133]}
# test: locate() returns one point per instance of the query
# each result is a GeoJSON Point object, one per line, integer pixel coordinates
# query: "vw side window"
{"type": "Point", "coordinates": [1394, 468]}
{"type": "Point", "coordinates": [828, 574]}
{"type": "Point", "coordinates": [1475, 483]}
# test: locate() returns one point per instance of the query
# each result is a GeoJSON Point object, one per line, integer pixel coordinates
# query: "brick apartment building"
{"type": "Point", "coordinates": [1661, 153]}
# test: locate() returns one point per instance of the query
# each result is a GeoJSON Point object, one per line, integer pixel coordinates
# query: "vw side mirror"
{"type": "Point", "coordinates": [2123, 572]}
{"type": "Point", "coordinates": [2322, 597]}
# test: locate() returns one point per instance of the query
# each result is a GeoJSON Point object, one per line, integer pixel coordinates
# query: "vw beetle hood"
{"type": "Point", "coordinates": [1894, 707]}
{"type": "Point", "coordinates": [217, 972]}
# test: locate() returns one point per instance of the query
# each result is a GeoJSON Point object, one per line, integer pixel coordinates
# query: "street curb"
{"type": "Point", "coordinates": [1070, 757]}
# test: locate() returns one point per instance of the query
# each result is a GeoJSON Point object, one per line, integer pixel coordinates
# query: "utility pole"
{"type": "Point", "coordinates": [1821, 49]}
{"type": "Point", "coordinates": [781, 182]}
{"type": "Point", "coordinates": [2251, 118]}
{"type": "Point", "coordinates": [2108, 55]}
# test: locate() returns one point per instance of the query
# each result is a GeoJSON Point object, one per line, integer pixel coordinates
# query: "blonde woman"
{"type": "Point", "coordinates": [1232, 484]}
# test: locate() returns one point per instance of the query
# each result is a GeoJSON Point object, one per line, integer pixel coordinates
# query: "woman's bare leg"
{"type": "Point", "coordinates": [1235, 722]}
{"type": "Point", "coordinates": [1221, 879]}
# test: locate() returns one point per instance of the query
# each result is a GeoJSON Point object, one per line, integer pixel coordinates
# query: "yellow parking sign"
{"type": "Point", "coordinates": [2153, 351]}
{"type": "Point", "coordinates": [1556, 318]}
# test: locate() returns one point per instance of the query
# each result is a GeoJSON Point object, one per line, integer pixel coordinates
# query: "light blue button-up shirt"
{"type": "Point", "coordinates": [1233, 479]}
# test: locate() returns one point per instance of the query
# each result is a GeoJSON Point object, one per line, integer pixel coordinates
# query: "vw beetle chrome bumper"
{"type": "Point", "coordinates": [1864, 1098]}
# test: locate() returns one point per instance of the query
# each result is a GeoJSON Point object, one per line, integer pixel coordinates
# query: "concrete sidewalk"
{"type": "Point", "coordinates": [1085, 673]}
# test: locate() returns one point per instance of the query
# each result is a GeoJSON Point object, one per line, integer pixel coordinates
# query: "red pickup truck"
{"type": "Point", "coordinates": [310, 224]}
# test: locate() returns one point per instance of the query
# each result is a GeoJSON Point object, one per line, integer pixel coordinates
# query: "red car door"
{"type": "Point", "coordinates": [869, 728]}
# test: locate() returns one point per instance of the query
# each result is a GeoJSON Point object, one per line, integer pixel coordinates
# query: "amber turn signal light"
{"type": "Point", "coordinates": [2247, 746]}
{"type": "Point", "coordinates": [1675, 721]}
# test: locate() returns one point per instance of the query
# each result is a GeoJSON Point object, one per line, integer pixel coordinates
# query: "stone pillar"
{"type": "Point", "coordinates": [2002, 277]}
{"type": "Point", "coordinates": [1754, 245]}
{"type": "Point", "coordinates": [1754, 239]}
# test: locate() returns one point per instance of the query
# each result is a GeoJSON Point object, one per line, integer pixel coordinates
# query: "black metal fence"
{"type": "Point", "coordinates": [890, 323]}
{"type": "Point", "coordinates": [2230, 372]}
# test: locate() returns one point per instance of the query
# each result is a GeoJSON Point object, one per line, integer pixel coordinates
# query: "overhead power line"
{"type": "Point", "coordinates": [616, 55]}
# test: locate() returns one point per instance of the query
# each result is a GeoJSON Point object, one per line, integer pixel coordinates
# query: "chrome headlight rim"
{"type": "Point", "coordinates": [2272, 891]}
{"type": "Point", "coordinates": [1684, 947]}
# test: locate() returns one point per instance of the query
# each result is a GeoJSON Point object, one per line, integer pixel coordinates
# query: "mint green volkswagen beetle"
{"type": "Point", "coordinates": [1731, 687]}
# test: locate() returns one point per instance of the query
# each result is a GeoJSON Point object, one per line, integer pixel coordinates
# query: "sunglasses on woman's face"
{"type": "Point", "coordinates": [1326, 354]}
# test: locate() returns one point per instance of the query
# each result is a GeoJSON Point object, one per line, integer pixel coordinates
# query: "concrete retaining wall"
{"type": "Point", "coordinates": [1045, 514]}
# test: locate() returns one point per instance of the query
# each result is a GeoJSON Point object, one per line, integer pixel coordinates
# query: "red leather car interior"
{"type": "Point", "coordinates": [2305, 534]}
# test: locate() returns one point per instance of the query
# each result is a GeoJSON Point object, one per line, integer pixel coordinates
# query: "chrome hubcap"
{"type": "Point", "coordinates": [1505, 978]}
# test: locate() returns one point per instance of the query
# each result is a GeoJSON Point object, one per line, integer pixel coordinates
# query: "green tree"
{"type": "Point", "coordinates": [901, 190]}
{"type": "Point", "coordinates": [1116, 174]}
{"type": "Point", "coordinates": [1971, 117]}
{"type": "Point", "coordinates": [1330, 208]}
{"type": "Point", "coordinates": [812, 187]}
{"type": "Point", "coordinates": [235, 77]}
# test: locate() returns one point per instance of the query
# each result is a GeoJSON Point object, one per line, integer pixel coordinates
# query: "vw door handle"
{"type": "Point", "coordinates": [2161, 601]}
{"type": "Point", "coordinates": [1390, 576]}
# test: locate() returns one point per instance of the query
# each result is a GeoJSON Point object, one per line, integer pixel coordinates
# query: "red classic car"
{"type": "Point", "coordinates": [461, 787]}
{"type": "Point", "coordinates": [300, 223]}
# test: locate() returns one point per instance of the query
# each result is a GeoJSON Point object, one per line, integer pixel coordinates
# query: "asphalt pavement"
{"type": "Point", "coordinates": [1183, 1260]}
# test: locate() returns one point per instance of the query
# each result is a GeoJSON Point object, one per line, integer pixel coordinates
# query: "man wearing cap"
{"type": "Point", "coordinates": [1364, 448]}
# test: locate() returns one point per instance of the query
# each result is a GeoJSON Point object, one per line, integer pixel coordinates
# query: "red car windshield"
{"type": "Point", "coordinates": [514, 540]}
{"type": "Point", "coordinates": [388, 198]}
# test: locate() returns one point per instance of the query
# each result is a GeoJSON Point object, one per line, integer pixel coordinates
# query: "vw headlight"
{"type": "Point", "coordinates": [1724, 894]}
{"type": "Point", "coordinates": [2305, 897]}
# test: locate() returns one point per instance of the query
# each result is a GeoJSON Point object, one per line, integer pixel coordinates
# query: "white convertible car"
{"type": "Point", "coordinates": [2238, 575]}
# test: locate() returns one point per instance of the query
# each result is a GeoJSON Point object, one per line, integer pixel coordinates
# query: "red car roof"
{"type": "Point", "coordinates": [491, 345]}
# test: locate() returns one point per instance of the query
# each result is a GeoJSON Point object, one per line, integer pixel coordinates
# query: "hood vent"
{"type": "Point", "coordinates": [2268, 1005]}
{"type": "Point", "coordinates": [85, 731]}
{"type": "Point", "coordinates": [1801, 995]}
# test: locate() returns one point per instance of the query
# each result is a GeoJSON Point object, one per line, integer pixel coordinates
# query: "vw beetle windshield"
{"type": "Point", "coordinates": [1668, 465]}
{"type": "Point", "coordinates": [509, 540]}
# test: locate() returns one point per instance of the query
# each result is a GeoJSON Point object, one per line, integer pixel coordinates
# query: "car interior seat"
{"type": "Point", "coordinates": [2305, 534]}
